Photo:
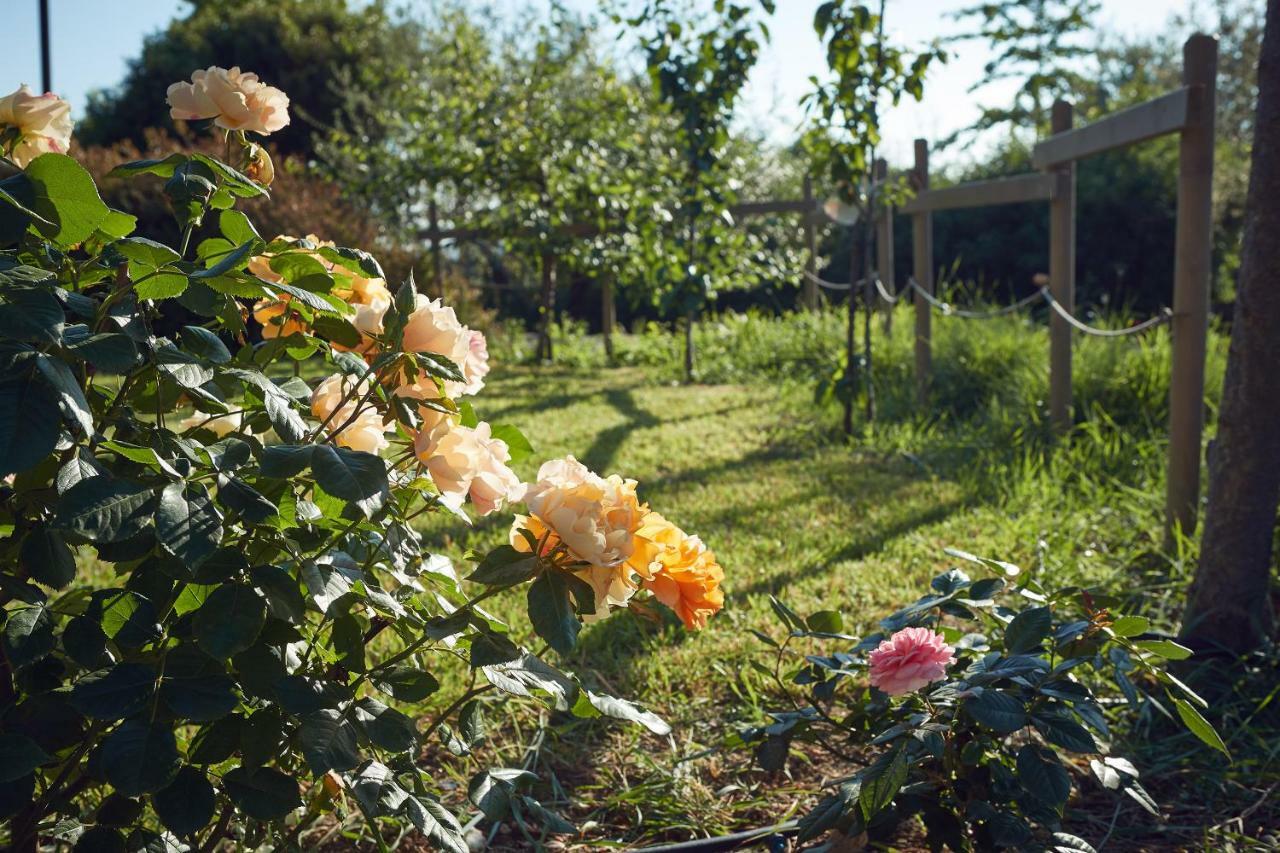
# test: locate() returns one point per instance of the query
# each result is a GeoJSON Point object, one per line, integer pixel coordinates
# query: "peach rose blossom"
{"type": "Point", "coordinates": [366, 431]}
{"type": "Point", "coordinates": [235, 100]}
{"type": "Point", "coordinates": [278, 320]}
{"type": "Point", "coordinates": [613, 586]}
{"type": "Point", "coordinates": [43, 123]}
{"type": "Point", "coordinates": [909, 660]}
{"type": "Point", "coordinates": [684, 574]}
{"type": "Point", "coordinates": [468, 462]}
{"type": "Point", "coordinates": [475, 366]}
{"type": "Point", "coordinates": [434, 327]}
{"type": "Point", "coordinates": [219, 425]}
{"type": "Point", "coordinates": [369, 297]}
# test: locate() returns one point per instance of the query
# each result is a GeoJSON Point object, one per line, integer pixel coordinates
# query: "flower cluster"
{"type": "Point", "coordinates": [31, 125]}
{"type": "Point", "coordinates": [616, 543]}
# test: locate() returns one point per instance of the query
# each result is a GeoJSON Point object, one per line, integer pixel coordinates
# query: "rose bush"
{"type": "Point", "coordinates": [240, 433]}
{"type": "Point", "coordinates": [977, 716]}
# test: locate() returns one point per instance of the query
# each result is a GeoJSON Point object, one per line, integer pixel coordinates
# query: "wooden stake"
{"type": "Point", "coordinates": [810, 288]}
{"type": "Point", "coordinates": [1062, 277]}
{"type": "Point", "coordinates": [608, 313]}
{"type": "Point", "coordinates": [437, 277]}
{"type": "Point", "coordinates": [1192, 267]}
{"type": "Point", "coordinates": [922, 270]}
{"type": "Point", "coordinates": [548, 307]}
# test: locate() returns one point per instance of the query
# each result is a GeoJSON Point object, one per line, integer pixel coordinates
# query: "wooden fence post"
{"type": "Point", "coordinates": [608, 313]}
{"type": "Point", "coordinates": [1062, 276]}
{"type": "Point", "coordinates": [811, 248]}
{"type": "Point", "coordinates": [884, 248]}
{"type": "Point", "coordinates": [437, 278]}
{"type": "Point", "coordinates": [922, 271]}
{"type": "Point", "coordinates": [1192, 267]}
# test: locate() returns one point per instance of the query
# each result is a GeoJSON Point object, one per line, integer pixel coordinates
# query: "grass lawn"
{"type": "Point", "coordinates": [792, 509]}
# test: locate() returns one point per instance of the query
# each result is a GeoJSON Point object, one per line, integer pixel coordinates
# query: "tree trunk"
{"type": "Point", "coordinates": [1228, 606]}
{"type": "Point", "coordinates": [608, 314]}
{"type": "Point", "coordinates": [548, 307]}
{"type": "Point", "coordinates": [850, 346]}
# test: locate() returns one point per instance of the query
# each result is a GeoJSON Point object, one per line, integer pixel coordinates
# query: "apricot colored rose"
{"type": "Point", "coordinates": [684, 573]}
{"type": "Point", "coordinates": [234, 99]}
{"type": "Point", "coordinates": [468, 462]}
{"type": "Point", "coordinates": [334, 400]}
{"type": "Point", "coordinates": [43, 123]}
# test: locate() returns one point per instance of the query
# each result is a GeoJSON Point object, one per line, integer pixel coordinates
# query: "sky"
{"type": "Point", "coordinates": [93, 39]}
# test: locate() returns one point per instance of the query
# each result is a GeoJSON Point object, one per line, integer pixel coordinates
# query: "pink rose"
{"type": "Point", "coordinates": [909, 660]}
{"type": "Point", "coordinates": [233, 99]}
{"type": "Point", "coordinates": [475, 367]}
{"type": "Point", "coordinates": [43, 123]}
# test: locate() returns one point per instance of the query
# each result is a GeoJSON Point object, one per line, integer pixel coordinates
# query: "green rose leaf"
{"type": "Point", "coordinates": [405, 683]}
{"type": "Point", "coordinates": [115, 693]}
{"type": "Point", "coordinates": [351, 475]}
{"type": "Point", "coordinates": [188, 525]}
{"type": "Point", "coordinates": [230, 620]}
{"type": "Point", "coordinates": [328, 741]}
{"type": "Point", "coordinates": [104, 509]}
{"type": "Point", "coordinates": [552, 612]}
{"type": "Point", "coordinates": [1028, 629]}
{"type": "Point", "coordinates": [140, 757]}
{"type": "Point", "coordinates": [998, 711]}
{"type": "Point", "coordinates": [31, 314]}
{"type": "Point", "coordinates": [47, 559]}
{"type": "Point", "coordinates": [263, 793]}
{"type": "Point", "coordinates": [29, 423]}
{"type": "Point", "coordinates": [186, 804]}
{"type": "Point", "coordinates": [62, 193]}
{"type": "Point", "coordinates": [1041, 773]}
{"type": "Point", "coordinates": [19, 755]}
{"type": "Point", "coordinates": [28, 635]}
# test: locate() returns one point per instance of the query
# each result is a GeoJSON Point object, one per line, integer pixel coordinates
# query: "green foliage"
{"type": "Point", "coordinates": [312, 49]}
{"type": "Point", "coordinates": [1037, 43]}
{"type": "Point", "coordinates": [229, 665]}
{"type": "Point", "coordinates": [979, 747]}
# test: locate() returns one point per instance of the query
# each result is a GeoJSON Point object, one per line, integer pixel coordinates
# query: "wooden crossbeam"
{"type": "Point", "coordinates": [1030, 187]}
{"type": "Point", "coordinates": [1167, 114]}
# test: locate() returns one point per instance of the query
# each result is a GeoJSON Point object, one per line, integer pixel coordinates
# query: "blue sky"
{"type": "Point", "coordinates": [93, 39]}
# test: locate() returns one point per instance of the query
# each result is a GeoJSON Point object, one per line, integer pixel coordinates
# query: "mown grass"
{"type": "Point", "coordinates": [794, 509]}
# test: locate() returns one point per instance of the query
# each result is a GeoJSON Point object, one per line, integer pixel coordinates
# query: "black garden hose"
{"type": "Point", "coordinates": [771, 838]}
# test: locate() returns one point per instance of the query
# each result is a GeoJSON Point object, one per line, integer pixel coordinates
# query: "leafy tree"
{"type": "Point", "coordinates": [312, 49]}
{"type": "Point", "coordinates": [1036, 42]}
{"type": "Point", "coordinates": [699, 75]}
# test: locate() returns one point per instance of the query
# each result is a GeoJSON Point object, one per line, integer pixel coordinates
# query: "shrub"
{"type": "Point", "coordinates": [969, 712]}
{"type": "Point", "coordinates": [269, 600]}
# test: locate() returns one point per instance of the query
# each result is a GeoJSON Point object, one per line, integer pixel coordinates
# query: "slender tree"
{"type": "Point", "coordinates": [700, 74]}
{"type": "Point", "coordinates": [1229, 606]}
{"type": "Point", "coordinates": [868, 74]}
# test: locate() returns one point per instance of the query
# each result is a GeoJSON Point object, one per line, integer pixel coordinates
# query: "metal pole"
{"type": "Point", "coordinates": [1062, 277]}
{"type": "Point", "coordinates": [1192, 267]}
{"type": "Point", "coordinates": [922, 270]}
{"type": "Point", "coordinates": [46, 75]}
